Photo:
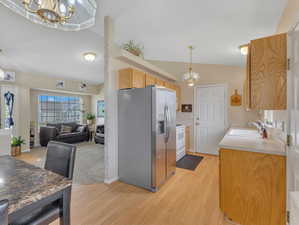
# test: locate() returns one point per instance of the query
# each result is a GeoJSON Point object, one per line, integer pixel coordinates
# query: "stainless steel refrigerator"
{"type": "Point", "coordinates": [146, 136]}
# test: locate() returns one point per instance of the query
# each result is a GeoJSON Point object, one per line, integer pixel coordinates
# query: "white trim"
{"type": "Point", "coordinates": [195, 111]}
{"type": "Point", "coordinates": [111, 180]}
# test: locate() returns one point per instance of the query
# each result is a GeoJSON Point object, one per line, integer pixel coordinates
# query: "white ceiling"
{"type": "Point", "coordinates": [35, 49]}
{"type": "Point", "coordinates": [216, 28]}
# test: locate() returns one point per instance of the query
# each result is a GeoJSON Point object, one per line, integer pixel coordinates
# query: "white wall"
{"type": "Point", "coordinates": [94, 100]}
{"type": "Point", "coordinates": [233, 76]}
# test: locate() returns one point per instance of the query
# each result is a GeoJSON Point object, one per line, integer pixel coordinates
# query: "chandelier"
{"type": "Point", "coordinates": [190, 77]}
{"type": "Point", "coordinates": [51, 11]}
{"type": "Point", "coordinates": [68, 15]}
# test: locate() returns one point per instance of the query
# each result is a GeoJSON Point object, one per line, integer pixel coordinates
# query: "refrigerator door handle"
{"type": "Point", "coordinates": [167, 115]}
{"type": "Point", "coordinates": [165, 124]}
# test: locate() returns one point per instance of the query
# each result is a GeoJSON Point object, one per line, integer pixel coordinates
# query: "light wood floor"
{"type": "Point", "coordinates": [188, 198]}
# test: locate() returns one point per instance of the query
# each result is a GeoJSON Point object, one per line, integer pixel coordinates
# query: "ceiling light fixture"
{"type": "Point", "coordinates": [65, 15]}
{"type": "Point", "coordinates": [244, 49]}
{"type": "Point", "coordinates": [89, 56]}
{"type": "Point", "coordinates": [190, 77]}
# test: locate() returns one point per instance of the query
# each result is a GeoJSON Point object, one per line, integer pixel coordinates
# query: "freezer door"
{"type": "Point", "coordinates": [159, 132]}
{"type": "Point", "coordinates": [171, 133]}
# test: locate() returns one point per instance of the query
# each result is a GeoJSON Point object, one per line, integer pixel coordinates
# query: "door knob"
{"type": "Point", "coordinates": [197, 123]}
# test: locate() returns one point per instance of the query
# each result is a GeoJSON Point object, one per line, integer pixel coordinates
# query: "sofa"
{"type": "Point", "coordinates": [99, 137]}
{"type": "Point", "coordinates": [63, 132]}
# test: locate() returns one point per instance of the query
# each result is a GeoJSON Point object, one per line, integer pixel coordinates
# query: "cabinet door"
{"type": "Point", "coordinates": [246, 88]}
{"type": "Point", "coordinates": [269, 73]}
{"type": "Point", "coordinates": [138, 79]}
{"type": "Point", "coordinates": [125, 78]}
{"type": "Point", "coordinates": [149, 80]}
{"type": "Point", "coordinates": [253, 187]}
{"type": "Point", "coordinates": [160, 82]}
{"type": "Point", "coordinates": [178, 97]}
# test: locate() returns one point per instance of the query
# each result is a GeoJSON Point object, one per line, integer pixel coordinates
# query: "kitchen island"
{"type": "Point", "coordinates": [252, 178]}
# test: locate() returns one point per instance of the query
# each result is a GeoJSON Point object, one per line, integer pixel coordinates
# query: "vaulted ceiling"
{"type": "Point", "coordinates": [165, 28]}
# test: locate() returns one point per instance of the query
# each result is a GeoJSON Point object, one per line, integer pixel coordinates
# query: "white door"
{"type": "Point", "coordinates": [210, 117]}
{"type": "Point", "coordinates": [293, 129]}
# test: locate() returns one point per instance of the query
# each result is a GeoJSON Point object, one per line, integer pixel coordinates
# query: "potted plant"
{"type": "Point", "coordinates": [90, 118]}
{"type": "Point", "coordinates": [134, 48]}
{"type": "Point", "coordinates": [16, 143]}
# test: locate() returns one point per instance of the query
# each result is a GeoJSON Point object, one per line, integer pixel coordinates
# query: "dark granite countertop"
{"type": "Point", "coordinates": [23, 184]}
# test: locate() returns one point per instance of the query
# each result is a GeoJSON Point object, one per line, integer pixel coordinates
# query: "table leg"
{"type": "Point", "coordinates": [65, 217]}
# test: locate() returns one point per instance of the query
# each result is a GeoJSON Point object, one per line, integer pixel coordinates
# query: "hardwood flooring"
{"type": "Point", "coordinates": [188, 198]}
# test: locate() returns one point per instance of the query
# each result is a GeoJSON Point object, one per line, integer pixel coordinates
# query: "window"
{"type": "Point", "coordinates": [101, 109]}
{"type": "Point", "coordinates": [58, 109]}
{"type": "Point", "coordinates": [268, 117]}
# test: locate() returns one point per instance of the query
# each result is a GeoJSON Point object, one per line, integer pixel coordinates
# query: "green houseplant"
{"type": "Point", "coordinates": [134, 48]}
{"type": "Point", "coordinates": [90, 118]}
{"type": "Point", "coordinates": [16, 145]}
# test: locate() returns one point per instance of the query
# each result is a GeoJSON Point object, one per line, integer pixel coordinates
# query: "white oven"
{"type": "Point", "coordinates": [180, 142]}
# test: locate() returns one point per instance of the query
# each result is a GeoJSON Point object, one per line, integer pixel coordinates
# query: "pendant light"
{"type": "Point", "coordinates": [190, 77]}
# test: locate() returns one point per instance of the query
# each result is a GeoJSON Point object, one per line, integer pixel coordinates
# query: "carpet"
{"type": "Point", "coordinates": [89, 162]}
{"type": "Point", "coordinates": [189, 162]}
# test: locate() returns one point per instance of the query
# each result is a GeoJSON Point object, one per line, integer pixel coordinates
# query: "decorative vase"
{"type": "Point", "coordinates": [15, 151]}
{"type": "Point", "coordinates": [89, 122]}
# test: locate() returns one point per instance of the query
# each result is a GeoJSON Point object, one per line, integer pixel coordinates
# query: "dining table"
{"type": "Point", "coordinates": [30, 188]}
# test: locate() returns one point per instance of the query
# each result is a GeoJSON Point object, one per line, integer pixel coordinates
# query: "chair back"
{"type": "Point", "coordinates": [60, 158]}
{"type": "Point", "coordinates": [4, 212]}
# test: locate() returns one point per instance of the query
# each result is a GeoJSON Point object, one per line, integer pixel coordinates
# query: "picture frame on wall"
{"type": "Point", "coordinates": [100, 109]}
{"type": "Point", "coordinates": [187, 108]}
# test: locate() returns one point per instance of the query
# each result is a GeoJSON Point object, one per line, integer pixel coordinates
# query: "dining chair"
{"type": "Point", "coordinates": [60, 159]}
{"type": "Point", "coordinates": [4, 212]}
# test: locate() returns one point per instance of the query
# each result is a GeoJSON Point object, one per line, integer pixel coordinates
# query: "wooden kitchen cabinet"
{"type": "Point", "coordinates": [160, 82]}
{"type": "Point", "coordinates": [187, 138]}
{"type": "Point", "coordinates": [131, 78]}
{"type": "Point", "coordinates": [253, 187]}
{"type": "Point", "coordinates": [149, 80]}
{"type": "Point", "coordinates": [268, 73]}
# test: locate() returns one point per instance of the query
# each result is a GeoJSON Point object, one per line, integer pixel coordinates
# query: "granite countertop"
{"type": "Point", "coordinates": [249, 140]}
{"type": "Point", "coordinates": [22, 183]}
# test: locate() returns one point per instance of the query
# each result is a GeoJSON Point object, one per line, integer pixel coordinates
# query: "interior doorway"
{"type": "Point", "coordinates": [210, 118]}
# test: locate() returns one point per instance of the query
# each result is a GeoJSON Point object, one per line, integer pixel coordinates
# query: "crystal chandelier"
{"type": "Point", "coordinates": [190, 77]}
{"type": "Point", "coordinates": [68, 15]}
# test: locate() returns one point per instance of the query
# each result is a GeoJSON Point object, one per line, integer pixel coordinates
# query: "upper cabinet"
{"type": "Point", "coordinates": [149, 80]}
{"type": "Point", "coordinates": [132, 78]}
{"type": "Point", "coordinates": [266, 82]}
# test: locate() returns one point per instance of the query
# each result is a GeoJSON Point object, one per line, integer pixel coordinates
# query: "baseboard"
{"type": "Point", "coordinates": [110, 180]}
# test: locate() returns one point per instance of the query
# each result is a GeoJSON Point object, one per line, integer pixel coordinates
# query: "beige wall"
{"type": "Point", "coordinates": [289, 17]}
{"type": "Point", "coordinates": [233, 76]}
{"type": "Point", "coordinates": [46, 82]}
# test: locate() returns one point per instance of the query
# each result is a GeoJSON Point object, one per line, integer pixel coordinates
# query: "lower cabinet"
{"type": "Point", "coordinates": [253, 187]}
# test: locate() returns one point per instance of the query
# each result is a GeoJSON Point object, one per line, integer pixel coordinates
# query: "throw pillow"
{"type": "Point", "coordinates": [80, 129]}
{"type": "Point", "coordinates": [65, 129]}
